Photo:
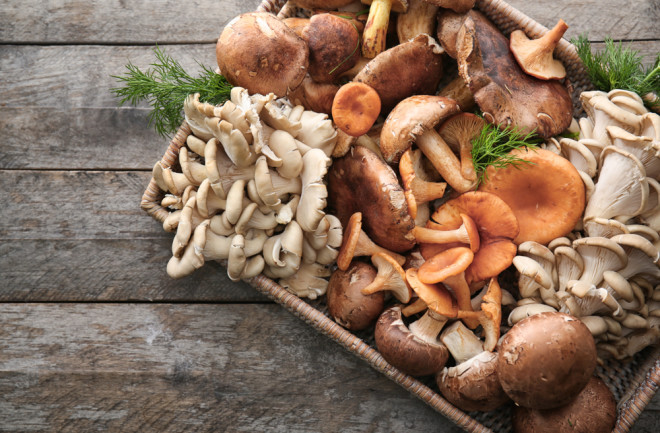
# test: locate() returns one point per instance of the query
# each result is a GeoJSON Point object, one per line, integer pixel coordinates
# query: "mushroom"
{"type": "Point", "coordinates": [603, 113]}
{"type": "Point", "coordinates": [413, 353]}
{"type": "Point", "coordinates": [417, 187]}
{"type": "Point", "coordinates": [546, 206]}
{"type": "Point", "coordinates": [467, 233]}
{"type": "Point", "coordinates": [507, 96]}
{"type": "Point", "coordinates": [599, 255]}
{"type": "Point", "coordinates": [535, 55]}
{"type": "Point", "coordinates": [497, 228]}
{"type": "Point", "coordinates": [361, 181]}
{"type": "Point", "coordinates": [308, 282]}
{"type": "Point", "coordinates": [355, 108]}
{"type": "Point", "coordinates": [347, 305]}
{"type": "Point", "coordinates": [375, 31]}
{"type": "Point", "coordinates": [410, 68]}
{"type": "Point", "coordinates": [192, 258]}
{"type": "Point", "coordinates": [314, 96]}
{"type": "Point", "coordinates": [545, 360]}
{"type": "Point", "coordinates": [332, 42]}
{"type": "Point", "coordinates": [390, 278]}
{"type": "Point", "coordinates": [314, 192]}
{"type": "Point", "coordinates": [260, 53]}
{"type": "Point", "coordinates": [412, 121]}
{"type": "Point", "coordinates": [356, 243]}
{"type": "Point", "coordinates": [418, 19]}
{"type": "Point", "coordinates": [458, 132]}
{"type": "Point", "coordinates": [593, 410]}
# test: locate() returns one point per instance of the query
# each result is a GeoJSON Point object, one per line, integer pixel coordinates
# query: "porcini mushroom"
{"type": "Point", "coordinates": [535, 55]}
{"type": "Point", "coordinates": [259, 52]}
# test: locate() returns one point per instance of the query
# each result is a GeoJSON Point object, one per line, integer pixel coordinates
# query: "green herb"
{"type": "Point", "coordinates": [165, 86]}
{"type": "Point", "coordinates": [493, 146]}
{"type": "Point", "coordinates": [619, 67]}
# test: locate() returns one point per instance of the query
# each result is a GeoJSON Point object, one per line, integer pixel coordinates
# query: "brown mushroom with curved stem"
{"type": "Point", "coordinates": [375, 30]}
{"type": "Point", "coordinates": [546, 206]}
{"type": "Point", "coordinates": [259, 52]}
{"type": "Point", "coordinates": [361, 181]}
{"type": "Point", "coordinates": [356, 243]}
{"type": "Point", "coordinates": [390, 278]}
{"type": "Point", "coordinates": [535, 55]}
{"type": "Point", "coordinates": [347, 305]}
{"type": "Point", "coordinates": [508, 96]}
{"type": "Point", "coordinates": [458, 132]}
{"type": "Point", "coordinates": [412, 121]}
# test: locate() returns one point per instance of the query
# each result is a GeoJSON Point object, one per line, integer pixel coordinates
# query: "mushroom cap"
{"type": "Point", "coordinates": [504, 92]}
{"type": "Point", "coordinates": [444, 265]}
{"type": "Point", "coordinates": [391, 277]}
{"type": "Point", "coordinates": [361, 181]}
{"type": "Point", "coordinates": [410, 119]}
{"type": "Point", "coordinates": [355, 108]}
{"type": "Point", "coordinates": [473, 385]}
{"type": "Point", "coordinates": [592, 411]}
{"type": "Point", "coordinates": [346, 303]}
{"type": "Point", "coordinates": [546, 359]}
{"type": "Point", "coordinates": [402, 349]}
{"type": "Point", "coordinates": [497, 227]}
{"type": "Point", "coordinates": [410, 68]}
{"type": "Point", "coordinates": [259, 52]}
{"type": "Point", "coordinates": [535, 55]}
{"type": "Point", "coordinates": [547, 195]}
{"type": "Point", "coordinates": [332, 42]}
{"type": "Point", "coordinates": [322, 4]}
{"type": "Point", "coordinates": [461, 128]}
{"type": "Point", "coordinates": [436, 296]}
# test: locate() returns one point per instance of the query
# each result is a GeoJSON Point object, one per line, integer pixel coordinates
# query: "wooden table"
{"type": "Point", "coordinates": [94, 335]}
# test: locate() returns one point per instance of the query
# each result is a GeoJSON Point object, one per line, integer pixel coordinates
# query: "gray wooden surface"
{"type": "Point", "coordinates": [93, 334]}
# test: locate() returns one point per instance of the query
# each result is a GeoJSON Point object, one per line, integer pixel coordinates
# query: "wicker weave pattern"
{"type": "Point", "coordinates": [634, 384]}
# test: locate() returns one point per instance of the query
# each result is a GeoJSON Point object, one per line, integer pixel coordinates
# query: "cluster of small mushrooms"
{"type": "Point", "coordinates": [365, 114]}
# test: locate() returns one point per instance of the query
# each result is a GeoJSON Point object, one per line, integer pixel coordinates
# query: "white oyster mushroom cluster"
{"type": "Point", "coordinates": [607, 272]}
{"type": "Point", "coordinates": [250, 192]}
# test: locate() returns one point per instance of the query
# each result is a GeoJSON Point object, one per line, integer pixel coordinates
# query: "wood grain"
{"type": "Point", "coordinates": [192, 368]}
{"type": "Point", "coordinates": [118, 21]}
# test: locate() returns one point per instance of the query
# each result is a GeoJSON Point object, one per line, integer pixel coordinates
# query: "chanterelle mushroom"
{"type": "Point", "coordinates": [535, 55]}
{"type": "Point", "coordinates": [507, 95]}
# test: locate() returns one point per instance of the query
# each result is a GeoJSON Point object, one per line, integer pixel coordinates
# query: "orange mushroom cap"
{"type": "Point", "coordinates": [497, 226]}
{"type": "Point", "coordinates": [467, 233]}
{"type": "Point", "coordinates": [355, 108]}
{"type": "Point", "coordinates": [547, 195]}
{"type": "Point", "coordinates": [535, 55]}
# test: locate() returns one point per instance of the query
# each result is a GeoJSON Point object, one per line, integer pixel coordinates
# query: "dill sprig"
{"type": "Point", "coordinates": [165, 86]}
{"type": "Point", "coordinates": [493, 145]}
{"type": "Point", "coordinates": [620, 67]}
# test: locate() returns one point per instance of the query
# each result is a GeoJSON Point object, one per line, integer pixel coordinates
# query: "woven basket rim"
{"type": "Point", "coordinates": [640, 391]}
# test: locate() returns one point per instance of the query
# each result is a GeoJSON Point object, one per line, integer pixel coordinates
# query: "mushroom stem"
{"type": "Point", "coordinates": [428, 327]}
{"type": "Point", "coordinates": [444, 160]}
{"type": "Point", "coordinates": [373, 37]}
{"type": "Point", "coordinates": [467, 233]}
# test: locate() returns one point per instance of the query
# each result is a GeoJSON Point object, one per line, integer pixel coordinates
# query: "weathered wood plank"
{"type": "Point", "coordinates": [113, 270]}
{"type": "Point", "coordinates": [117, 21]}
{"type": "Point", "coordinates": [169, 21]}
{"type": "Point", "coordinates": [193, 368]}
{"type": "Point", "coordinates": [618, 19]}
{"type": "Point", "coordinates": [54, 118]}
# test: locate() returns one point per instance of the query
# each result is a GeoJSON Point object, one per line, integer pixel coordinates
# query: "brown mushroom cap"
{"type": "Point", "coordinates": [361, 181]}
{"type": "Point", "coordinates": [504, 92]}
{"type": "Point", "coordinates": [473, 385]}
{"type": "Point", "coordinates": [449, 23]}
{"type": "Point", "coordinates": [346, 303]}
{"type": "Point", "coordinates": [592, 411]}
{"type": "Point", "coordinates": [259, 52]}
{"type": "Point", "coordinates": [546, 359]}
{"type": "Point", "coordinates": [314, 96]}
{"type": "Point", "coordinates": [546, 196]}
{"type": "Point", "coordinates": [410, 119]}
{"type": "Point", "coordinates": [411, 68]}
{"type": "Point", "coordinates": [497, 226]}
{"type": "Point", "coordinates": [332, 42]}
{"type": "Point", "coordinates": [403, 350]}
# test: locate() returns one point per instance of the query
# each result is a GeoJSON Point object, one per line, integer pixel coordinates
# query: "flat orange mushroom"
{"type": "Point", "coordinates": [355, 108]}
{"type": "Point", "coordinates": [547, 195]}
{"type": "Point", "coordinates": [497, 226]}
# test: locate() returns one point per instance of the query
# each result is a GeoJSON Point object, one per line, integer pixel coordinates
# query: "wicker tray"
{"type": "Point", "coordinates": [633, 383]}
